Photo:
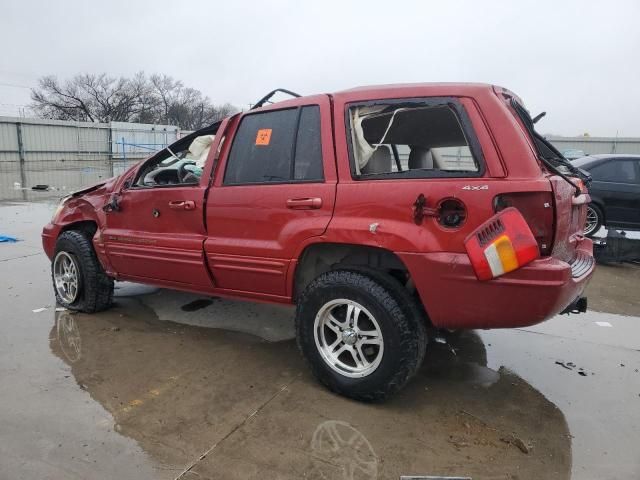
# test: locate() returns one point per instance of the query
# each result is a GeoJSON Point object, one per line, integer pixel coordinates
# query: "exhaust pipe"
{"type": "Point", "coordinates": [579, 305]}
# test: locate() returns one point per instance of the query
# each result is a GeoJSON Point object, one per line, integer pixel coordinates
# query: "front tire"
{"type": "Point", "coordinates": [361, 333]}
{"type": "Point", "coordinates": [79, 281]}
{"type": "Point", "coordinates": [595, 220]}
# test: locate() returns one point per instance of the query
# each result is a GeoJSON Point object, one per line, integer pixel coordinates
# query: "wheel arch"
{"type": "Point", "coordinates": [89, 227]}
{"type": "Point", "coordinates": [79, 214]}
{"type": "Point", "coordinates": [84, 218]}
{"type": "Point", "coordinates": [318, 258]}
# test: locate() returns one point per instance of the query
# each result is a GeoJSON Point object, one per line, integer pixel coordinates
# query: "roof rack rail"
{"type": "Point", "coordinates": [266, 98]}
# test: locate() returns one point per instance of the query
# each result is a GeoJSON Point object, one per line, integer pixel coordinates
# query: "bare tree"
{"type": "Point", "coordinates": [100, 98]}
{"type": "Point", "coordinates": [165, 89]}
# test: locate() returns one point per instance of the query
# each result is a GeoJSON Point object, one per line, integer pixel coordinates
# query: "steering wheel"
{"type": "Point", "coordinates": [183, 172]}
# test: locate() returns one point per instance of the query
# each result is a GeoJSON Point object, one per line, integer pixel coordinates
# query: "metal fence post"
{"type": "Point", "coordinates": [21, 156]}
{"type": "Point", "coordinates": [110, 154]}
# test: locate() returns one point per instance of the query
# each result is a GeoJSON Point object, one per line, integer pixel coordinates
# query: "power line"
{"type": "Point", "coordinates": [15, 85]}
{"type": "Point", "coordinates": [14, 104]}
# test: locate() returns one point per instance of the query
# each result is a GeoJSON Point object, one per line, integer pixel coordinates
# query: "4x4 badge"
{"type": "Point", "coordinates": [475, 187]}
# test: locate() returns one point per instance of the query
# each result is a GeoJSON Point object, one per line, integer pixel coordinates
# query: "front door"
{"type": "Point", "coordinates": [274, 191]}
{"type": "Point", "coordinates": [157, 232]}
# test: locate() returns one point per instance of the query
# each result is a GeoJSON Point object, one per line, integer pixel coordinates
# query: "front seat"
{"type": "Point", "coordinates": [379, 162]}
{"type": "Point", "coordinates": [420, 157]}
{"type": "Point", "coordinates": [438, 161]}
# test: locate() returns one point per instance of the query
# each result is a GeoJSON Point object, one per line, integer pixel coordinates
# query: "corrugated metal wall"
{"type": "Point", "coordinates": [68, 155]}
{"type": "Point", "coordinates": [596, 145]}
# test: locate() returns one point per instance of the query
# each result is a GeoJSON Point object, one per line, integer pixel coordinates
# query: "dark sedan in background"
{"type": "Point", "coordinates": [615, 191]}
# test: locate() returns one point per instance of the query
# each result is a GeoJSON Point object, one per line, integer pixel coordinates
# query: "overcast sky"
{"type": "Point", "coordinates": [577, 60]}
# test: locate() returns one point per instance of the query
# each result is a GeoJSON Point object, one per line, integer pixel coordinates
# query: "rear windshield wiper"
{"type": "Point", "coordinates": [556, 155]}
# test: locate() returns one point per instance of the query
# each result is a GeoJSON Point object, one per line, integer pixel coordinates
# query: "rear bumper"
{"type": "Point", "coordinates": [455, 298]}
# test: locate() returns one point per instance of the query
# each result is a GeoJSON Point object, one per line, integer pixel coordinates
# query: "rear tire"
{"type": "Point", "coordinates": [375, 325]}
{"type": "Point", "coordinates": [595, 220]}
{"type": "Point", "coordinates": [79, 281]}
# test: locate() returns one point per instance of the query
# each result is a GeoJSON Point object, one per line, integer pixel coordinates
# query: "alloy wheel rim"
{"type": "Point", "coordinates": [591, 222]}
{"type": "Point", "coordinates": [66, 275]}
{"type": "Point", "coordinates": [348, 338]}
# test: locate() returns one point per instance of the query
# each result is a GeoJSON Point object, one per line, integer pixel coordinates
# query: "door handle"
{"type": "Point", "coordinates": [304, 203]}
{"type": "Point", "coordinates": [182, 205]}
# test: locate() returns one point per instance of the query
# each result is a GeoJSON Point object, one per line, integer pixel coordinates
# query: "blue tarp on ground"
{"type": "Point", "coordinates": [5, 238]}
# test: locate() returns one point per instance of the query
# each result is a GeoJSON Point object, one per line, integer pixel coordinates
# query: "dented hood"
{"type": "Point", "coordinates": [93, 187]}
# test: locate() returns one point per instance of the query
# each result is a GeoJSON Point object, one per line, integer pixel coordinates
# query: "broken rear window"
{"type": "Point", "coordinates": [406, 140]}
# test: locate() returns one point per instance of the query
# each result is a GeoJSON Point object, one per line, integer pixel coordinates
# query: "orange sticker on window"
{"type": "Point", "coordinates": [263, 137]}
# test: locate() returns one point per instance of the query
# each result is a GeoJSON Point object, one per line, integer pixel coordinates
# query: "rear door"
{"type": "Point", "coordinates": [275, 190]}
{"type": "Point", "coordinates": [617, 183]}
{"type": "Point", "coordinates": [414, 177]}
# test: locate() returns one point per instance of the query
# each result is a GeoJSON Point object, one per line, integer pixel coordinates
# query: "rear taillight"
{"type": "Point", "coordinates": [580, 184]}
{"type": "Point", "coordinates": [501, 244]}
{"type": "Point", "coordinates": [537, 209]}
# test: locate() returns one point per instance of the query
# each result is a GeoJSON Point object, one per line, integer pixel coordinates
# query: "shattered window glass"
{"type": "Point", "coordinates": [390, 139]}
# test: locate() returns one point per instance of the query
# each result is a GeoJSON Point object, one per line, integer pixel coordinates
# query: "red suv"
{"type": "Point", "coordinates": [379, 212]}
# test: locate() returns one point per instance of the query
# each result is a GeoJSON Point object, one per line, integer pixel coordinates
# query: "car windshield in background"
{"type": "Point", "coordinates": [583, 161]}
{"type": "Point", "coordinates": [573, 154]}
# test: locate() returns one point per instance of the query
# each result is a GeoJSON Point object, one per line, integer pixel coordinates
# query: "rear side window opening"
{"type": "Point", "coordinates": [415, 138]}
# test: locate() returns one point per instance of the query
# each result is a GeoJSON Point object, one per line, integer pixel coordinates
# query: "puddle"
{"type": "Point", "coordinates": [129, 392]}
{"type": "Point", "coordinates": [178, 390]}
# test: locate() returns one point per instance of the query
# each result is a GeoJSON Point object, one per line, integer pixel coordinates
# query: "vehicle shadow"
{"type": "Point", "coordinates": [182, 390]}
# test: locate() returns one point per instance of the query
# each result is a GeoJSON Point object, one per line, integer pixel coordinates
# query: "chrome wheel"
{"type": "Point", "coordinates": [592, 221]}
{"type": "Point", "coordinates": [348, 338]}
{"type": "Point", "coordinates": [66, 276]}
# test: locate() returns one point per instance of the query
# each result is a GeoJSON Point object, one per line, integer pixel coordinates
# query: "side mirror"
{"type": "Point", "coordinates": [113, 205]}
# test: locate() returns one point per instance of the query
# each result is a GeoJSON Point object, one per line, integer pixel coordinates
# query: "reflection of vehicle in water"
{"type": "Point", "coordinates": [68, 336]}
{"type": "Point", "coordinates": [342, 444]}
{"type": "Point", "coordinates": [333, 438]}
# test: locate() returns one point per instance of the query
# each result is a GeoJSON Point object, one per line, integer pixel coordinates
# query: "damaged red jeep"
{"type": "Point", "coordinates": [380, 212]}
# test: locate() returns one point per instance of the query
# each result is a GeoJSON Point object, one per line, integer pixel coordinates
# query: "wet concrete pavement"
{"type": "Point", "coordinates": [172, 385]}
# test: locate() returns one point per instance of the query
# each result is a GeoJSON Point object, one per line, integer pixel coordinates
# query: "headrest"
{"type": "Point", "coordinates": [379, 162]}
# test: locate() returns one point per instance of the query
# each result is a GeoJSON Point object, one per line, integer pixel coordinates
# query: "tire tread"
{"type": "Point", "coordinates": [97, 286]}
{"type": "Point", "coordinates": [400, 306]}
